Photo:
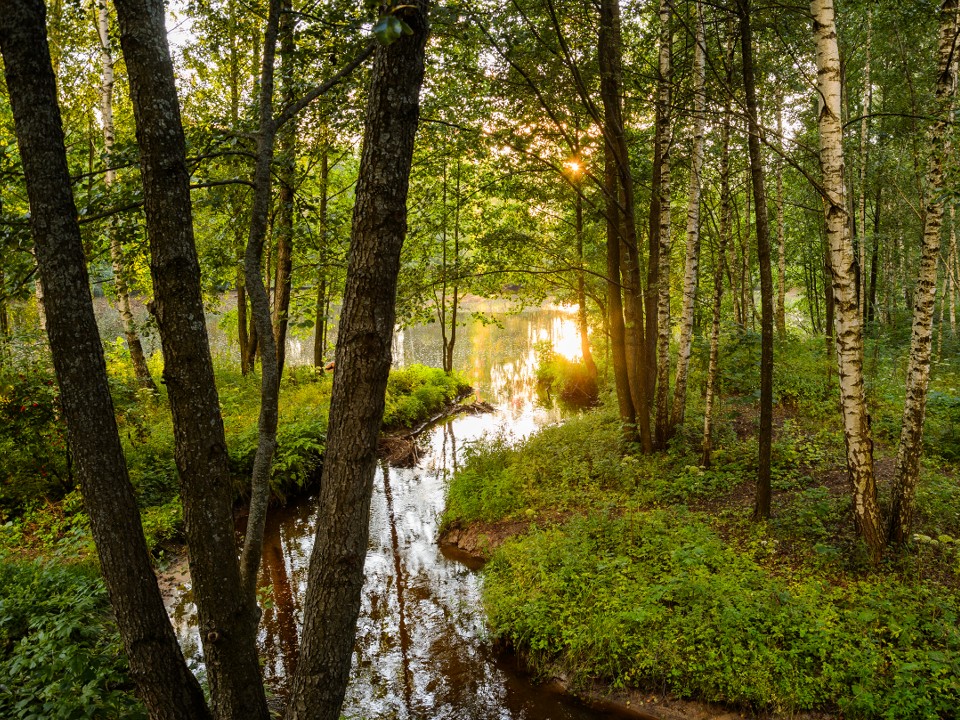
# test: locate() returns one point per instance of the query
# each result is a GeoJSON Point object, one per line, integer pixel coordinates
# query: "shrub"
{"type": "Point", "coordinates": [60, 655]}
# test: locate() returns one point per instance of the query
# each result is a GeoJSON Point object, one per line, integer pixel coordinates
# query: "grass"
{"type": "Point", "coordinates": [649, 573]}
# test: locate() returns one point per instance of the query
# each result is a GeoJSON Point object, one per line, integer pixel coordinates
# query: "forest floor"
{"type": "Point", "coordinates": [643, 581]}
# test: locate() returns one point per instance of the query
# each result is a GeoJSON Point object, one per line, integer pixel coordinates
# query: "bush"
{"type": "Point", "coordinates": [60, 655]}
{"type": "Point", "coordinates": [417, 392]}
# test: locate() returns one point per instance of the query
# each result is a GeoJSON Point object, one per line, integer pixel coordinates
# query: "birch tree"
{"type": "Point", "coordinates": [848, 330]}
{"type": "Point", "coordinates": [691, 268]}
{"type": "Point", "coordinates": [907, 469]}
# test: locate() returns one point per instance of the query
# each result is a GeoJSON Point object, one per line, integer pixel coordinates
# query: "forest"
{"type": "Point", "coordinates": [529, 359]}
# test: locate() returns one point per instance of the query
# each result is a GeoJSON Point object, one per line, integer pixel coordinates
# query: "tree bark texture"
{"type": "Point", "coordinates": [137, 357]}
{"type": "Point", "coordinates": [864, 158]}
{"type": "Point", "coordinates": [664, 80]}
{"type": "Point", "coordinates": [907, 469]}
{"type": "Point", "coordinates": [849, 331]}
{"type": "Point", "coordinates": [363, 363]}
{"type": "Point", "coordinates": [691, 266]}
{"type": "Point", "coordinates": [227, 621]}
{"type": "Point", "coordinates": [781, 240]}
{"type": "Point", "coordinates": [761, 506]}
{"type": "Point", "coordinates": [164, 683]}
{"type": "Point", "coordinates": [320, 323]}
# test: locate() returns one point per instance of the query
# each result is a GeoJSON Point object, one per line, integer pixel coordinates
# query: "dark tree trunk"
{"type": "Point", "coordinates": [363, 362]}
{"type": "Point", "coordinates": [761, 507]}
{"type": "Point", "coordinates": [164, 683]}
{"type": "Point", "coordinates": [621, 201]}
{"type": "Point", "coordinates": [227, 620]}
{"type": "Point", "coordinates": [874, 257]}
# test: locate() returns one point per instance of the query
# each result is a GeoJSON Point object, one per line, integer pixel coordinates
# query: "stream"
{"type": "Point", "coordinates": [422, 649]}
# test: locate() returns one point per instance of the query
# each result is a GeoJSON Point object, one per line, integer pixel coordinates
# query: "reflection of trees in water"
{"type": "Point", "coordinates": [400, 584]}
{"type": "Point", "coordinates": [279, 621]}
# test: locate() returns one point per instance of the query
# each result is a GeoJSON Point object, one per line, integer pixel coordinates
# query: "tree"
{"type": "Point", "coordinates": [849, 331]}
{"type": "Point", "coordinates": [363, 363]}
{"type": "Point", "coordinates": [228, 616]}
{"type": "Point", "coordinates": [761, 507]}
{"type": "Point", "coordinates": [907, 469]}
{"type": "Point", "coordinates": [164, 683]}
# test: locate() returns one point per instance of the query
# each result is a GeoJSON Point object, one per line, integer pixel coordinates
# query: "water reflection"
{"type": "Point", "coordinates": [421, 649]}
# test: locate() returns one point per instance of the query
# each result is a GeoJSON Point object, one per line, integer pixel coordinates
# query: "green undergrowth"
{"type": "Point", "coordinates": [649, 572]}
{"type": "Point", "coordinates": [60, 654]}
{"type": "Point", "coordinates": [656, 598]}
{"type": "Point", "coordinates": [41, 509]}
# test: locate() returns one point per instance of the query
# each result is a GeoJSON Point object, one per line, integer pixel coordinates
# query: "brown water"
{"type": "Point", "coordinates": [422, 648]}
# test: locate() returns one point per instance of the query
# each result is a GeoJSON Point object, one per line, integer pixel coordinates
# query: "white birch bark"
{"type": "Point", "coordinates": [848, 330]}
{"type": "Point", "coordinates": [907, 469]}
{"type": "Point", "coordinates": [663, 300]}
{"type": "Point", "coordinates": [692, 261]}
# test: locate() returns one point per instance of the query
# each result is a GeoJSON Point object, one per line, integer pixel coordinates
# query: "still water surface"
{"type": "Point", "coordinates": [422, 650]}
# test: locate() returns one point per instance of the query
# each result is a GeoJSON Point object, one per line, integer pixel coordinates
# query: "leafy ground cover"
{"type": "Point", "coordinates": [648, 572]}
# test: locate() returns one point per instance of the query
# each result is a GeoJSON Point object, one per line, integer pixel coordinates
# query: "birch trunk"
{"type": "Point", "coordinates": [140, 370]}
{"type": "Point", "coordinates": [907, 469]}
{"type": "Point", "coordinates": [849, 334]}
{"type": "Point", "coordinates": [664, 80]}
{"type": "Point", "coordinates": [726, 212]}
{"type": "Point", "coordinates": [691, 267]}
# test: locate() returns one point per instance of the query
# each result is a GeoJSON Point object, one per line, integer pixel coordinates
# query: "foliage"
{"type": "Point", "coordinates": [34, 460]}
{"type": "Point", "coordinates": [568, 380]}
{"type": "Point", "coordinates": [60, 654]}
{"type": "Point", "coordinates": [417, 392]}
{"type": "Point", "coordinates": [656, 598]}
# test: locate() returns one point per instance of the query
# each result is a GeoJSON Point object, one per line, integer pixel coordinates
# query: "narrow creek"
{"type": "Point", "coordinates": [422, 649]}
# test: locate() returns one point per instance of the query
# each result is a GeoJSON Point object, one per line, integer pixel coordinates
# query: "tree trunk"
{"type": "Point", "coordinates": [874, 258]}
{"type": "Point", "coordinates": [691, 269]}
{"type": "Point", "coordinates": [781, 238]}
{"type": "Point", "coordinates": [320, 325]}
{"type": "Point", "coordinates": [907, 469]}
{"type": "Point", "coordinates": [286, 174]}
{"type": "Point", "coordinates": [864, 158]}
{"type": "Point", "coordinates": [260, 309]}
{"type": "Point", "coordinates": [849, 334]}
{"type": "Point", "coordinates": [140, 370]}
{"type": "Point", "coordinates": [363, 363]}
{"type": "Point", "coordinates": [625, 315]}
{"type": "Point", "coordinates": [163, 682]}
{"type": "Point", "coordinates": [726, 211]}
{"type": "Point", "coordinates": [761, 506]}
{"type": "Point", "coordinates": [227, 620]}
{"type": "Point", "coordinates": [664, 80]}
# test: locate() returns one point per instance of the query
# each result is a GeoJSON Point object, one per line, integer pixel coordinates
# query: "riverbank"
{"type": "Point", "coordinates": [627, 577]}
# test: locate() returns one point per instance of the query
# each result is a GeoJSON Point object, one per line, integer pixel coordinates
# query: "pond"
{"type": "Point", "coordinates": [422, 649]}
